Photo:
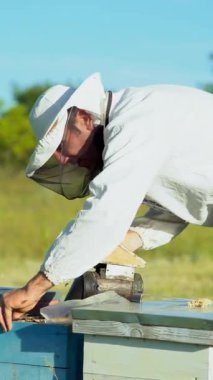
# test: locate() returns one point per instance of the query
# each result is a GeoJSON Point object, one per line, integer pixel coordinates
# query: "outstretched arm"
{"type": "Point", "coordinates": [15, 303]}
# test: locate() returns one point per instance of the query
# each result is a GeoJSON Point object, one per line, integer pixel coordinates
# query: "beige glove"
{"type": "Point", "coordinates": [124, 255]}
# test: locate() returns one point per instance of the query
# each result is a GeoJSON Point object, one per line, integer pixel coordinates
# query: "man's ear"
{"type": "Point", "coordinates": [90, 125]}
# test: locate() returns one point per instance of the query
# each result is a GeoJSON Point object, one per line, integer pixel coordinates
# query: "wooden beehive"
{"type": "Point", "coordinates": [110, 340]}
{"type": "Point", "coordinates": [155, 340]}
{"type": "Point", "coordinates": [39, 351]}
{"type": "Point", "coordinates": [34, 351]}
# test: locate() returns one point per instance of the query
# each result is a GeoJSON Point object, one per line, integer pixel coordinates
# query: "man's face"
{"type": "Point", "coordinates": [77, 139]}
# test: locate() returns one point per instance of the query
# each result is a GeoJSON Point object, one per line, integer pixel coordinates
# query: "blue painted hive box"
{"type": "Point", "coordinates": [38, 351]}
{"type": "Point", "coordinates": [110, 340]}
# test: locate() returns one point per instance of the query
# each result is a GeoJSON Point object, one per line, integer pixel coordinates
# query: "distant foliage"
{"type": "Point", "coordinates": [28, 96]}
{"type": "Point", "coordinates": [16, 139]}
{"type": "Point", "coordinates": [1, 106]}
{"type": "Point", "coordinates": [208, 87]}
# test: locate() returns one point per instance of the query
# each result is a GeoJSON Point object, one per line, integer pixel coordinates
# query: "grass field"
{"type": "Point", "coordinates": [31, 217]}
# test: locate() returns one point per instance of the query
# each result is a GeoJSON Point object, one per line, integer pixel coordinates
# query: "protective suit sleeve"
{"type": "Point", "coordinates": [130, 163]}
{"type": "Point", "coordinates": [157, 228]}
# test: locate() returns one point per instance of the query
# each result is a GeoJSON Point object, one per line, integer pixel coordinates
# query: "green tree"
{"type": "Point", "coordinates": [209, 86]}
{"type": "Point", "coordinates": [1, 106]}
{"type": "Point", "coordinates": [27, 97]}
{"type": "Point", "coordinates": [16, 139]}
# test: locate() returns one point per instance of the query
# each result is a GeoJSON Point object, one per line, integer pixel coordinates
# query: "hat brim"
{"type": "Point", "coordinates": [80, 98]}
{"type": "Point", "coordinates": [47, 146]}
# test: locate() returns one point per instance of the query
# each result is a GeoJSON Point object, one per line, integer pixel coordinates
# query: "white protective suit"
{"type": "Point", "coordinates": [158, 149]}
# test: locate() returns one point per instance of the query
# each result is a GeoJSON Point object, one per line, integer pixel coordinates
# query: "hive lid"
{"type": "Point", "coordinates": [171, 313]}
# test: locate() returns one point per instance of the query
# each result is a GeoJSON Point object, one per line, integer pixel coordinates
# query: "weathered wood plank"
{"type": "Point", "coordinates": [172, 313]}
{"type": "Point", "coordinates": [121, 358]}
{"type": "Point", "coordinates": [172, 334]}
{"type": "Point", "coordinates": [210, 363]}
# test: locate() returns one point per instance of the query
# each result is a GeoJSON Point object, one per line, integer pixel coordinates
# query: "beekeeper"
{"type": "Point", "coordinates": [149, 145]}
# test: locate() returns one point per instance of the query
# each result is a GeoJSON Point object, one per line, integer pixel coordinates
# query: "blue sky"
{"type": "Point", "coordinates": [131, 42]}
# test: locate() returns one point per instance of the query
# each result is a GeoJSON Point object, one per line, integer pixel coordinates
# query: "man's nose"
{"type": "Point", "coordinates": [60, 157]}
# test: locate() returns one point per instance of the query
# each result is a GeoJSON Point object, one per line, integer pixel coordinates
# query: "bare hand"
{"type": "Point", "coordinates": [12, 307]}
{"type": "Point", "coordinates": [17, 302]}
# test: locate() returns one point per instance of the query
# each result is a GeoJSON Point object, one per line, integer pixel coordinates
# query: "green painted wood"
{"type": "Point", "coordinates": [121, 358]}
{"type": "Point", "coordinates": [39, 349]}
{"type": "Point", "coordinates": [171, 313]}
{"type": "Point", "coordinates": [210, 363]}
{"type": "Point", "coordinates": [106, 377]}
{"type": "Point", "coordinates": [131, 330]}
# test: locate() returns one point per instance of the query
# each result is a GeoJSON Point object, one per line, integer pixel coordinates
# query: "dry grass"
{"type": "Point", "coordinates": [31, 217]}
{"type": "Point", "coordinates": [180, 278]}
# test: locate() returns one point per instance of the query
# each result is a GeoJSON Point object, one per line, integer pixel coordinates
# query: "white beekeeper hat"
{"type": "Point", "coordinates": [49, 114]}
